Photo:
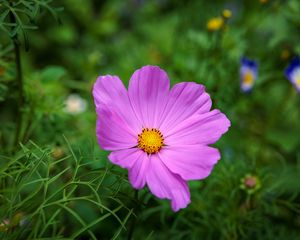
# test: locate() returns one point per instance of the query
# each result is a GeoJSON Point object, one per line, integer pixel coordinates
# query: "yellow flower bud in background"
{"type": "Point", "coordinates": [227, 13]}
{"type": "Point", "coordinates": [215, 23]}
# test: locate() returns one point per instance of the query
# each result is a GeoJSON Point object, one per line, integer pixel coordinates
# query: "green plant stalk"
{"type": "Point", "coordinates": [133, 221]}
{"type": "Point", "coordinates": [20, 83]}
{"type": "Point", "coordinates": [19, 78]}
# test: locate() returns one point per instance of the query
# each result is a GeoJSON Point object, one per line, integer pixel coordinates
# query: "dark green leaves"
{"type": "Point", "coordinates": [17, 17]}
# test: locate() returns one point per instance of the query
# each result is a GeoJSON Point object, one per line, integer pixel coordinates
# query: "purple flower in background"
{"type": "Point", "coordinates": [292, 72]}
{"type": "Point", "coordinates": [248, 74]}
{"type": "Point", "coordinates": [160, 135]}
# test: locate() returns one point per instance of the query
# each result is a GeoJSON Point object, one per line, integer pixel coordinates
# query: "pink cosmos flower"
{"type": "Point", "coordinates": [160, 135]}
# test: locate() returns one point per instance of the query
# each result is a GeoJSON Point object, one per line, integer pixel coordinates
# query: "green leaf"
{"type": "Point", "coordinates": [52, 73]}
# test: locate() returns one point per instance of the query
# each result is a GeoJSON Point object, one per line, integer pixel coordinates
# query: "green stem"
{"type": "Point", "coordinates": [19, 80]}
{"type": "Point", "coordinates": [20, 90]}
{"type": "Point", "coordinates": [133, 221]}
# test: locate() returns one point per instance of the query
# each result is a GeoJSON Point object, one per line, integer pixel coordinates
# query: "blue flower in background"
{"type": "Point", "coordinates": [292, 72]}
{"type": "Point", "coordinates": [248, 74]}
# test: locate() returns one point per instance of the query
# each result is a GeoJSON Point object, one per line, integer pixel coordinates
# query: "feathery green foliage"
{"type": "Point", "coordinates": [55, 187]}
{"type": "Point", "coordinates": [43, 192]}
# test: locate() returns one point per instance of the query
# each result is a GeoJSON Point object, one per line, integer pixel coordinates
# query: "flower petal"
{"type": "Point", "coordinates": [110, 92]}
{"type": "Point", "coordinates": [137, 173]}
{"type": "Point", "coordinates": [125, 158]}
{"type": "Point", "coordinates": [136, 161]}
{"type": "Point", "coordinates": [292, 68]}
{"type": "Point", "coordinates": [148, 90]}
{"type": "Point", "coordinates": [191, 162]}
{"type": "Point", "coordinates": [185, 99]}
{"type": "Point", "coordinates": [165, 184]}
{"type": "Point", "coordinates": [113, 132]}
{"type": "Point", "coordinates": [204, 128]}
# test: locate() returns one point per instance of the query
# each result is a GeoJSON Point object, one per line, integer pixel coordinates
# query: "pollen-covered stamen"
{"type": "Point", "coordinates": [150, 140]}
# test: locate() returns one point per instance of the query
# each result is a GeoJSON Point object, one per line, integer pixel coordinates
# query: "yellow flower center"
{"type": "Point", "coordinates": [150, 140]}
{"type": "Point", "coordinates": [248, 78]}
{"type": "Point", "coordinates": [297, 82]}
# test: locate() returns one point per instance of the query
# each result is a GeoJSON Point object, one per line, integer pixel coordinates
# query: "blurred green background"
{"type": "Point", "coordinates": [56, 183]}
